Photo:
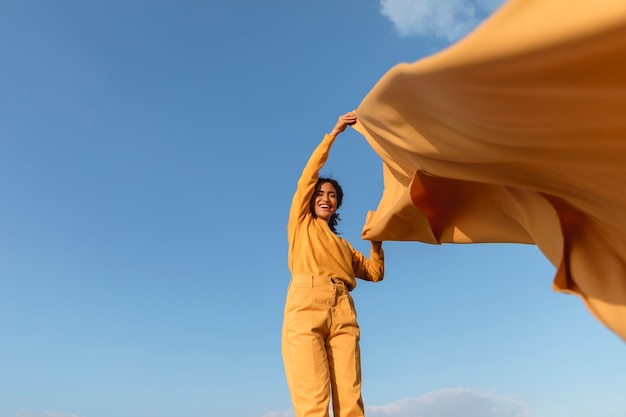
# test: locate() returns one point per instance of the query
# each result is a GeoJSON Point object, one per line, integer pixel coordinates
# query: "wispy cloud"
{"type": "Point", "coordinates": [452, 403]}
{"type": "Point", "coordinates": [444, 19]}
{"type": "Point", "coordinates": [445, 403]}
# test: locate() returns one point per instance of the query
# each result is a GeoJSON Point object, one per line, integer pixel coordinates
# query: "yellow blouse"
{"type": "Point", "coordinates": [313, 247]}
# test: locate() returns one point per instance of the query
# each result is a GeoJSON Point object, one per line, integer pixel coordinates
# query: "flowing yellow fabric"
{"type": "Point", "coordinates": [517, 133]}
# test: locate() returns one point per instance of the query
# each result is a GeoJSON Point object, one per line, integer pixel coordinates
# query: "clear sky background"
{"type": "Point", "coordinates": [148, 154]}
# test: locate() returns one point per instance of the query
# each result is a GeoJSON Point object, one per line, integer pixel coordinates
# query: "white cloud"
{"type": "Point", "coordinates": [445, 19]}
{"type": "Point", "coordinates": [452, 402]}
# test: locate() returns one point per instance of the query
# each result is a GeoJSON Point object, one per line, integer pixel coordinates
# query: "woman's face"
{"type": "Point", "coordinates": [325, 201]}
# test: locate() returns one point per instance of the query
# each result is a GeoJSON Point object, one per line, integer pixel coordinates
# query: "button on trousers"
{"type": "Point", "coordinates": [320, 346]}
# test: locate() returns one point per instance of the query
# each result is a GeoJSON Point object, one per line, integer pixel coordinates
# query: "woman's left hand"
{"type": "Point", "coordinates": [344, 121]}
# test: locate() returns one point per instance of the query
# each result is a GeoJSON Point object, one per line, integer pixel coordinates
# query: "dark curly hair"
{"type": "Point", "coordinates": [334, 218]}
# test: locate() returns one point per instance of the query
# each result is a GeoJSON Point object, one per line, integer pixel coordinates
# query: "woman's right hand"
{"type": "Point", "coordinates": [343, 121]}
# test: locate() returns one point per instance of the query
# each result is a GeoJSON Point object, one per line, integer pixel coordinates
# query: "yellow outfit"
{"type": "Point", "coordinates": [320, 341]}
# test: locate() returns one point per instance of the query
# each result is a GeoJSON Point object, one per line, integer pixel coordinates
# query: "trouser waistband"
{"type": "Point", "coordinates": [318, 280]}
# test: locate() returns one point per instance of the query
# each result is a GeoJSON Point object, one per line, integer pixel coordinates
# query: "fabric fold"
{"type": "Point", "coordinates": [517, 133]}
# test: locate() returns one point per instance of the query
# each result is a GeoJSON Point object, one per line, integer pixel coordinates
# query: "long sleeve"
{"type": "Point", "coordinates": [306, 186]}
{"type": "Point", "coordinates": [372, 269]}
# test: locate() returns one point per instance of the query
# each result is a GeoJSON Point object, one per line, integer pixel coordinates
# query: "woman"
{"type": "Point", "coordinates": [320, 341]}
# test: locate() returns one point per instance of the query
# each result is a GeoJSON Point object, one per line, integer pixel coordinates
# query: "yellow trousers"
{"type": "Point", "coordinates": [320, 345]}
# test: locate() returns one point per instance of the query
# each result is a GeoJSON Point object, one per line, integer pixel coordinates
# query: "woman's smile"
{"type": "Point", "coordinates": [325, 201]}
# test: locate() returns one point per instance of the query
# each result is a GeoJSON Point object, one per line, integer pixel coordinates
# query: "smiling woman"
{"type": "Point", "coordinates": [326, 201]}
{"type": "Point", "coordinates": [320, 340]}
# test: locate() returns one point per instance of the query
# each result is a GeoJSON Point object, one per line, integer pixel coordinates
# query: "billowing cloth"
{"type": "Point", "coordinates": [517, 133]}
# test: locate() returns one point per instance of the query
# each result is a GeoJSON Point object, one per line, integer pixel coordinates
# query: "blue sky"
{"type": "Point", "coordinates": [148, 154]}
